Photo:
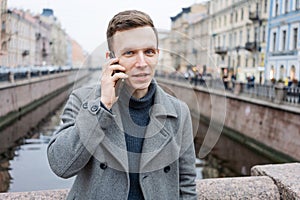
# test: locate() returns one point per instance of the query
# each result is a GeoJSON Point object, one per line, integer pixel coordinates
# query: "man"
{"type": "Point", "coordinates": [135, 143]}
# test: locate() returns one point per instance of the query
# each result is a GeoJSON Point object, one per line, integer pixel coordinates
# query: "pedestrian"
{"type": "Point", "coordinates": [233, 80]}
{"type": "Point", "coordinates": [136, 143]}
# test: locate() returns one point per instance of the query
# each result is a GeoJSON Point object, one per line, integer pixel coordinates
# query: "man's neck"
{"type": "Point", "coordinates": [140, 93]}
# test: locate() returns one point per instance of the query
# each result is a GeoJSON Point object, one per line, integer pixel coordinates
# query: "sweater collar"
{"type": "Point", "coordinates": [136, 103]}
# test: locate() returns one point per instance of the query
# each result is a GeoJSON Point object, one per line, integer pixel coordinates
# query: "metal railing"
{"type": "Point", "coordinates": [14, 74]}
{"type": "Point", "coordinates": [291, 94]}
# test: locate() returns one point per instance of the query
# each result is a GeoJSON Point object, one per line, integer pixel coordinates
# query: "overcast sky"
{"type": "Point", "coordinates": [86, 20]}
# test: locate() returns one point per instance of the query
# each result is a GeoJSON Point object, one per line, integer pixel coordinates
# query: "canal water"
{"type": "Point", "coordinates": [29, 168]}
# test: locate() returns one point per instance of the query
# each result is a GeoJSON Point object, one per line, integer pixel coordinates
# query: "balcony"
{"type": "Point", "coordinates": [285, 53]}
{"type": "Point", "coordinates": [251, 46]}
{"type": "Point", "coordinates": [25, 53]}
{"type": "Point", "coordinates": [221, 50]}
{"type": "Point", "coordinates": [253, 16]}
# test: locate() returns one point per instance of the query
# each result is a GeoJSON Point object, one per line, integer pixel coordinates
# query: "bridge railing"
{"type": "Point", "coordinates": [11, 75]}
{"type": "Point", "coordinates": [271, 92]}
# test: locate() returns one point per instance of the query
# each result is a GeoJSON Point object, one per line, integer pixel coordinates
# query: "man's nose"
{"type": "Point", "coordinates": [141, 59]}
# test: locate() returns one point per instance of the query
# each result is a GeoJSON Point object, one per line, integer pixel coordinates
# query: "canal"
{"type": "Point", "coordinates": [29, 168]}
{"type": "Point", "coordinates": [24, 165]}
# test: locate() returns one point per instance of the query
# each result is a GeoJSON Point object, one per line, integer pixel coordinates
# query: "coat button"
{"type": "Point", "coordinates": [94, 108]}
{"type": "Point", "coordinates": [85, 105]}
{"type": "Point", "coordinates": [103, 165]}
{"type": "Point", "coordinates": [167, 169]}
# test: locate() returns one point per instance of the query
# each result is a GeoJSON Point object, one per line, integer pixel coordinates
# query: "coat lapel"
{"type": "Point", "coordinates": [158, 133]}
{"type": "Point", "coordinates": [114, 140]}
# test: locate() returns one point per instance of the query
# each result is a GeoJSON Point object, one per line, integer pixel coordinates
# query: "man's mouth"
{"type": "Point", "coordinates": [140, 75]}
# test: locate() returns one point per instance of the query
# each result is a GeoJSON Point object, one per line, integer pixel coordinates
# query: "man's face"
{"type": "Point", "coordinates": [137, 52]}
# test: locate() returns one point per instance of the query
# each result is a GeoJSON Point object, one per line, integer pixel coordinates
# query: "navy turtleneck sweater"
{"type": "Point", "coordinates": [135, 117]}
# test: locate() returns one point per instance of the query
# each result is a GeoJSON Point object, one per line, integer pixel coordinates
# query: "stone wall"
{"type": "Point", "coordinates": [275, 126]}
{"type": "Point", "coordinates": [18, 94]}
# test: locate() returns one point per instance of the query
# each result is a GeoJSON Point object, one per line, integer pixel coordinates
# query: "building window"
{"type": "Point", "coordinates": [256, 33]}
{"type": "Point", "coordinates": [253, 62]}
{"type": "Point", "coordinates": [242, 14]}
{"type": "Point", "coordinates": [283, 40]}
{"type": "Point", "coordinates": [281, 72]}
{"type": "Point", "coordinates": [234, 39]}
{"type": "Point", "coordinates": [241, 36]}
{"type": "Point", "coordinates": [236, 16]}
{"type": "Point", "coordinates": [225, 20]}
{"type": "Point", "coordinates": [276, 8]}
{"type": "Point", "coordinates": [274, 41]}
{"type": "Point", "coordinates": [295, 38]}
{"type": "Point", "coordinates": [248, 34]}
{"type": "Point", "coordinates": [264, 34]}
{"type": "Point", "coordinates": [292, 72]}
{"type": "Point", "coordinates": [286, 5]}
{"type": "Point", "coordinates": [297, 4]}
{"type": "Point", "coordinates": [265, 6]}
{"type": "Point", "coordinates": [3, 27]}
{"type": "Point", "coordinates": [272, 72]}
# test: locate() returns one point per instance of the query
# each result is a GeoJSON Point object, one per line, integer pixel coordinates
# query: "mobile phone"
{"type": "Point", "coordinates": [112, 55]}
{"type": "Point", "coordinates": [120, 82]}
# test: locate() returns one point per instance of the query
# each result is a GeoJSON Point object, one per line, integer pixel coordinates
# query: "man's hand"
{"type": "Point", "coordinates": [109, 80]}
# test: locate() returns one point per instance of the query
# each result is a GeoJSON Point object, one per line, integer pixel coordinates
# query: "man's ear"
{"type": "Point", "coordinates": [107, 55]}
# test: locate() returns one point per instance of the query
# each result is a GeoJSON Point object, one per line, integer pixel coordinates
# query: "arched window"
{"type": "Point", "coordinates": [272, 72]}
{"type": "Point", "coordinates": [4, 46]}
{"type": "Point", "coordinates": [281, 72]}
{"type": "Point", "coordinates": [292, 72]}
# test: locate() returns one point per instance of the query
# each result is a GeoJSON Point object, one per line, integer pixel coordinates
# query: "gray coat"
{"type": "Point", "coordinates": [90, 144]}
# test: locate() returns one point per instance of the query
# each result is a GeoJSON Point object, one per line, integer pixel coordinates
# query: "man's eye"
{"type": "Point", "coordinates": [150, 52]}
{"type": "Point", "coordinates": [128, 53]}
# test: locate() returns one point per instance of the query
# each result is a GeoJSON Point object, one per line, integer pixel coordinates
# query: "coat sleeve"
{"type": "Point", "coordinates": [76, 140]}
{"type": "Point", "coordinates": [187, 159]}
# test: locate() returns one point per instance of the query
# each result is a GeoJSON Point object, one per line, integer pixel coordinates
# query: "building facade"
{"type": "Point", "coordinates": [183, 42]}
{"type": "Point", "coordinates": [198, 43]}
{"type": "Point", "coordinates": [20, 40]}
{"type": "Point", "coordinates": [58, 38]}
{"type": "Point", "coordinates": [283, 55]}
{"type": "Point", "coordinates": [33, 40]}
{"type": "Point", "coordinates": [78, 57]}
{"type": "Point", "coordinates": [42, 46]}
{"type": "Point", "coordinates": [3, 36]}
{"type": "Point", "coordinates": [238, 37]}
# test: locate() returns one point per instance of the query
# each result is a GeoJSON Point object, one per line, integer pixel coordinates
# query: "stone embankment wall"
{"type": "Point", "coordinates": [25, 103]}
{"type": "Point", "coordinates": [272, 182]}
{"type": "Point", "coordinates": [269, 128]}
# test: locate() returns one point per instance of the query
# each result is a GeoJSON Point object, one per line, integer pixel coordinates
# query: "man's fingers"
{"type": "Point", "coordinates": [119, 75]}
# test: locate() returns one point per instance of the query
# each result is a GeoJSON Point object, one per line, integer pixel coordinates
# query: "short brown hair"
{"type": "Point", "coordinates": [127, 20]}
